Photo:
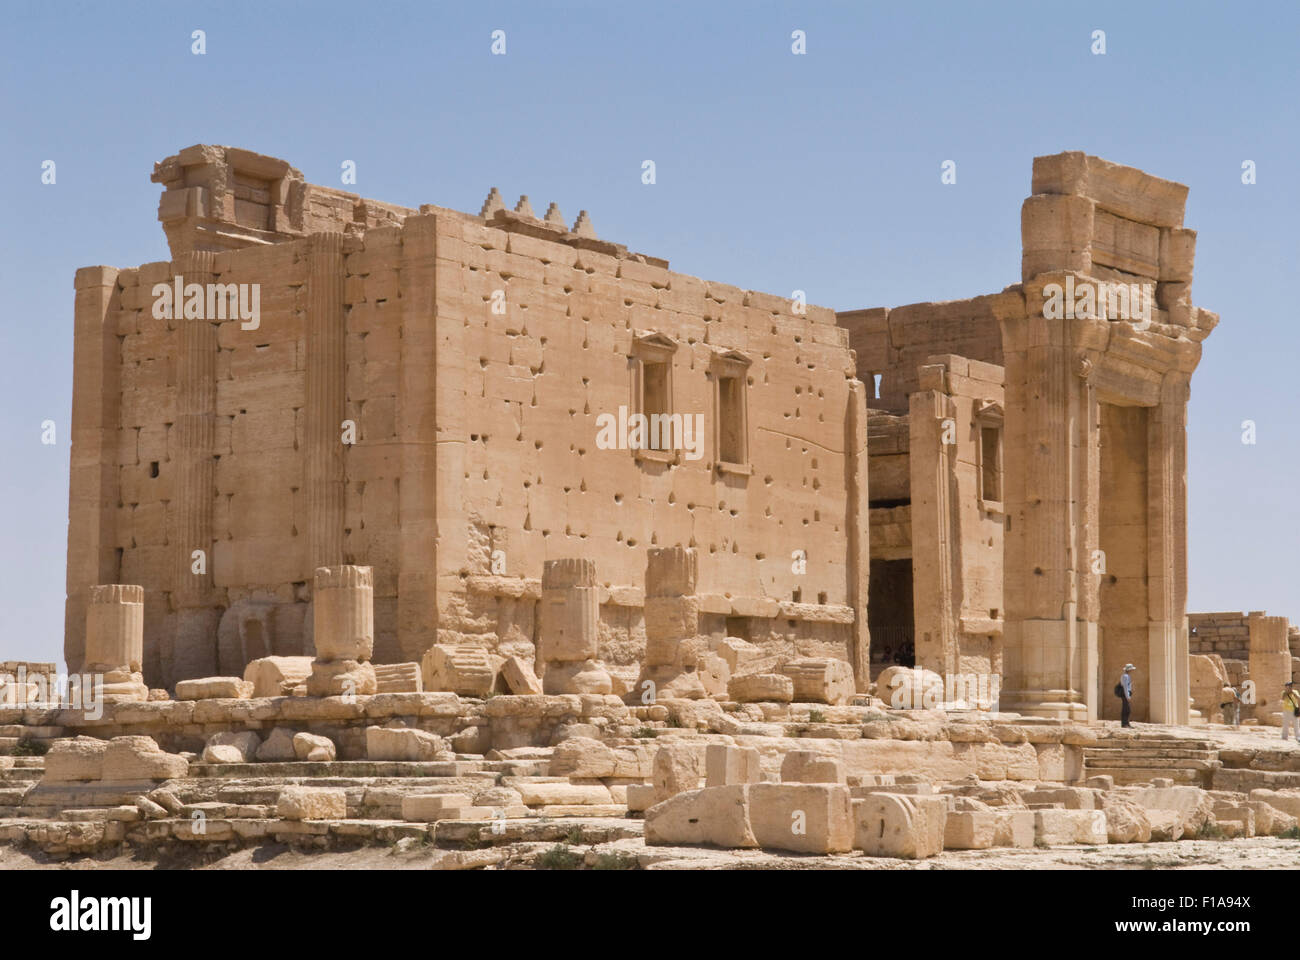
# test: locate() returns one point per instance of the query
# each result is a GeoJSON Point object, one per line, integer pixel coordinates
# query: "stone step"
{"type": "Point", "coordinates": [354, 769]}
{"type": "Point", "coordinates": [1121, 762]}
{"type": "Point", "coordinates": [22, 731]}
{"type": "Point", "coordinates": [1128, 775]}
{"type": "Point", "coordinates": [12, 796]}
{"type": "Point", "coordinates": [1150, 753]}
{"type": "Point", "coordinates": [19, 775]}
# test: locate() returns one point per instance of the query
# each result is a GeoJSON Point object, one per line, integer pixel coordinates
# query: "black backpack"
{"type": "Point", "coordinates": [1119, 690]}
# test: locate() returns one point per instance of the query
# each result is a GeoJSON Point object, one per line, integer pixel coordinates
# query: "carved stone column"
{"type": "Point", "coordinates": [344, 632]}
{"type": "Point", "coordinates": [568, 635]}
{"type": "Point", "coordinates": [115, 640]}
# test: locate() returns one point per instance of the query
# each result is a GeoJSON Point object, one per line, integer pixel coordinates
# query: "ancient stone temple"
{"type": "Point", "coordinates": [546, 457]}
{"type": "Point", "coordinates": [1028, 461]}
{"type": "Point", "coordinates": [454, 401]}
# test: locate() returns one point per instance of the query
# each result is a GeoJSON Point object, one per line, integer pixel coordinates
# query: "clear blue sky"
{"type": "Point", "coordinates": [775, 172]}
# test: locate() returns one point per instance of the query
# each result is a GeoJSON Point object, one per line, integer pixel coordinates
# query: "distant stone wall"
{"type": "Point", "coordinates": [1227, 634]}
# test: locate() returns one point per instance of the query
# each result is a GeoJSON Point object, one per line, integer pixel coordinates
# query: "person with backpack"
{"type": "Point", "coordinates": [1291, 711]}
{"type": "Point", "coordinates": [1124, 690]}
{"type": "Point", "coordinates": [1231, 706]}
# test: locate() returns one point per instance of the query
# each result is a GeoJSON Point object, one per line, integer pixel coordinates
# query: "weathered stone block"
{"type": "Point", "coordinates": [893, 825]}
{"type": "Point", "coordinates": [312, 803]}
{"type": "Point", "coordinates": [712, 815]}
{"type": "Point", "coordinates": [805, 818]}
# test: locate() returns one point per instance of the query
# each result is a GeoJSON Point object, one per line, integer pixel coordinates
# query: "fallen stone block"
{"type": "Point", "coordinates": [341, 678]}
{"type": "Point", "coordinates": [520, 677]}
{"type": "Point", "coordinates": [1227, 811]}
{"type": "Point", "coordinates": [214, 688]}
{"type": "Point", "coordinates": [150, 810]}
{"type": "Point", "coordinates": [1166, 825]}
{"type": "Point", "coordinates": [1270, 821]}
{"type": "Point", "coordinates": [582, 757]}
{"type": "Point", "coordinates": [140, 758]}
{"type": "Point", "coordinates": [894, 825]}
{"type": "Point", "coordinates": [910, 688]}
{"type": "Point", "coordinates": [970, 830]}
{"type": "Point", "coordinates": [277, 676]}
{"type": "Point", "coordinates": [725, 765]}
{"type": "Point", "coordinates": [820, 680]}
{"type": "Point", "coordinates": [1072, 798]}
{"type": "Point", "coordinates": [1015, 828]}
{"type": "Point", "coordinates": [232, 747]}
{"type": "Point", "coordinates": [404, 743]}
{"type": "Point", "coordinates": [761, 687]}
{"type": "Point", "coordinates": [1194, 804]}
{"type": "Point", "coordinates": [312, 803]}
{"type": "Point", "coordinates": [398, 678]}
{"type": "Point", "coordinates": [640, 797]}
{"type": "Point", "coordinates": [809, 766]}
{"type": "Point", "coordinates": [167, 800]}
{"type": "Point", "coordinates": [540, 794]}
{"type": "Point", "coordinates": [1287, 801]}
{"type": "Point", "coordinates": [1126, 820]}
{"type": "Point", "coordinates": [313, 747]}
{"type": "Point", "coordinates": [1057, 827]}
{"type": "Point", "coordinates": [464, 669]}
{"type": "Point", "coordinates": [75, 759]}
{"type": "Point", "coordinates": [277, 747]}
{"type": "Point", "coordinates": [713, 815]}
{"type": "Point", "coordinates": [803, 817]}
{"type": "Point", "coordinates": [677, 767]}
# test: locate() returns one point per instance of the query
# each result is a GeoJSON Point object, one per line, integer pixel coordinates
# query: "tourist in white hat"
{"type": "Point", "coordinates": [1125, 689]}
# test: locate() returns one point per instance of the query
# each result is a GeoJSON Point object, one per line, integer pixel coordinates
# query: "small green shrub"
{"type": "Point", "coordinates": [616, 861]}
{"type": "Point", "coordinates": [559, 857]}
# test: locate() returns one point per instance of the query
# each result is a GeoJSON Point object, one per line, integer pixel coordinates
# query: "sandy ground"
{"type": "Point", "coordinates": [1258, 853]}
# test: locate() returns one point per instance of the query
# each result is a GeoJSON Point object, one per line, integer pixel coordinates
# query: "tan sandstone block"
{"type": "Point", "coordinates": [970, 830]}
{"type": "Point", "coordinates": [78, 758]}
{"type": "Point", "coordinates": [277, 676]}
{"type": "Point", "coordinates": [140, 758]}
{"type": "Point", "coordinates": [893, 825]}
{"type": "Point", "coordinates": [214, 688]}
{"type": "Point", "coordinates": [761, 687]}
{"type": "Point", "coordinates": [806, 818]}
{"type": "Point", "coordinates": [312, 803]}
{"type": "Point", "coordinates": [402, 743]}
{"type": "Point", "coordinates": [712, 815]}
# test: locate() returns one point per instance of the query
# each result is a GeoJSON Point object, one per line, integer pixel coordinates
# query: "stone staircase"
{"type": "Point", "coordinates": [13, 735]}
{"type": "Point", "coordinates": [1144, 757]}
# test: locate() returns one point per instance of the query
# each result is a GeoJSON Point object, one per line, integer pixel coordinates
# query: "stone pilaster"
{"type": "Point", "coordinates": [193, 648]}
{"type": "Point", "coordinates": [1167, 559]}
{"type": "Point", "coordinates": [418, 412]}
{"type": "Point", "coordinates": [1049, 657]}
{"type": "Point", "coordinates": [858, 561]}
{"type": "Point", "coordinates": [93, 485]}
{"type": "Point", "coordinates": [326, 402]}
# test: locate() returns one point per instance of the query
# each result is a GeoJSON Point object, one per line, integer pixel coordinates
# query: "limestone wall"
{"type": "Point", "coordinates": [1226, 633]}
{"type": "Point", "coordinates": [420, 394]}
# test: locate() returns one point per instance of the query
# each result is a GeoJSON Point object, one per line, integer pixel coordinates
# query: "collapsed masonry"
{"type": "Point", "coordinates": [446, 399]}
